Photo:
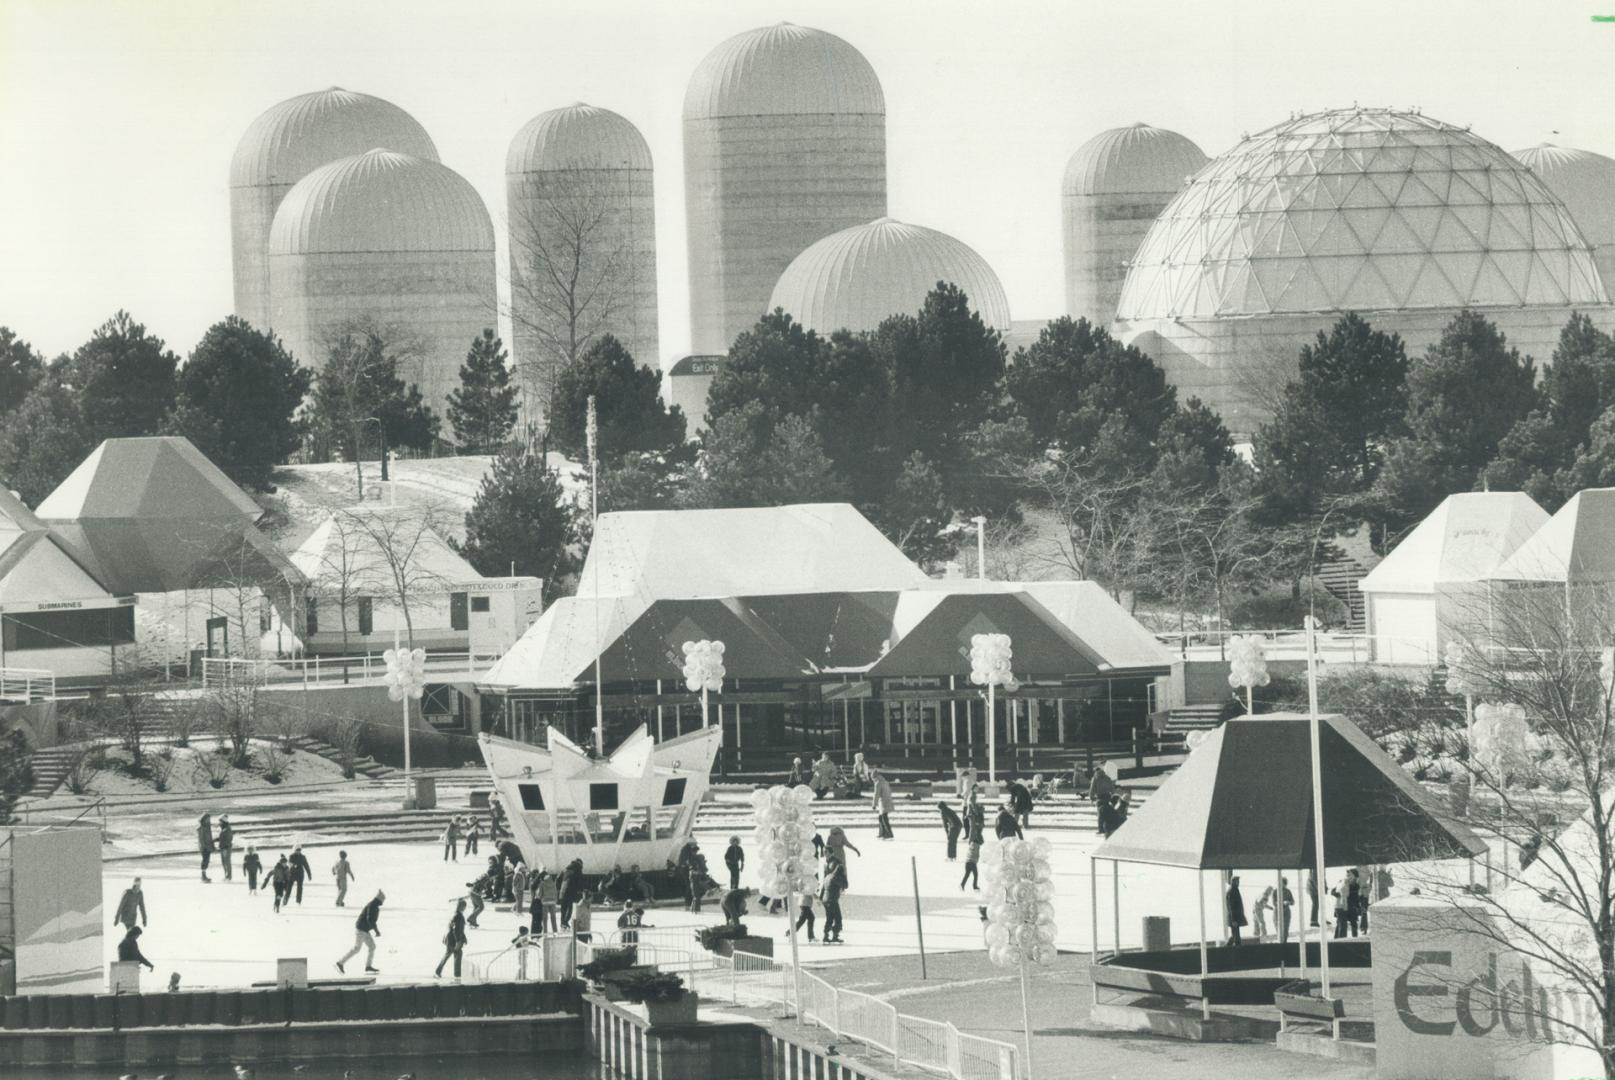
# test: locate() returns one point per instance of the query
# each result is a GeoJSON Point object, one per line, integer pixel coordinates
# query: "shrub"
{"type": "Point", "coordinates": [344, 733]}
{"type": "Point", "coordinates": [16, 771]}
{"type": "Point", "coordinates": [213, 768]}
{"type": "Point", "coordinates": [608, 960]}
{"type": "Point", "coordinates": [653, 986]}
{"type": "Point", "coordinates": [711, 935]}
{"type": "Point", "coordinates": [161, 767]}
{"type": "Point", "coordinates": [84, 766]}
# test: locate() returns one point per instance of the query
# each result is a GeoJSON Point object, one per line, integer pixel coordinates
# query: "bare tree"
{"type": "Point", "coordinates": [233, 714]}
{"type": "Point", "coordinates": [343, 572]}
{"type": "Point", "coordinates": [572, 267]}
{"type": "Point", "coordinates": [1205, 545]}
{"type": "Point", "coordinates": [402, 544]}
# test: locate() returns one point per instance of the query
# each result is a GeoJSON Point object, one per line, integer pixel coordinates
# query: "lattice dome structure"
{"type": "Point", "coordinates": [856, 278]}
{"type": "Point", "coordinates": [1585, 182]}
{"type": "Point", "coordinates": [1385, 212]}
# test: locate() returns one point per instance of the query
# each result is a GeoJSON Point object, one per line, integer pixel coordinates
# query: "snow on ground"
{"type": "Point", "coordinates": [300, 768]}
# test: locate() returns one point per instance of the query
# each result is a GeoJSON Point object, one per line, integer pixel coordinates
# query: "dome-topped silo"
{"type": "Point", "coordinates": [1115, 184]}
{"type": "Point", "coordinates": [855, 279]}
{"type": "Point", "coordinates": [1585, 183]}
{"type": "Point", "coordinates": [394, 240]}
{"type": "Point", "coordinates": [784, 143]}
{"type": "Point", "coordinates": [285, 144]}
{"type": "Point", "coordinates": [578, 182]}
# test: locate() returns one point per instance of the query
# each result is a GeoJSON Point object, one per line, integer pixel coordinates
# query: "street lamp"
{"type": "Point", "coordinates": [990, 659]}
{"type": "Point", "coordinates": [784, 839]}
{"type": "Point", "coordinates": [981, 547]}
{"type": "Point", "coordinates": [406, 679]}
{"type": "Point", "coordinates": [1247, 668]}
{"type": "Point", "coordinates": [1020, 912]}
{"type": "Point", "coordinates": [704, 672]}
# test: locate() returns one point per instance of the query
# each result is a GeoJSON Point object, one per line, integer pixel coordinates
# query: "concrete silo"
{"type": "Point", "coordinates": [784, 143]}
{"type": "Point", "coordinates": [1585, 183]}
{"type": "Point", "coordinates": [394, 240]}
{"type": "Point", "coordinates": [857, 278]}
{"type": "Point", "coordinates": [1115, 185]}
{"type": "Point", "coordinates": [285, 144]}
{"type": "Point", "coordinates": [582, 220]}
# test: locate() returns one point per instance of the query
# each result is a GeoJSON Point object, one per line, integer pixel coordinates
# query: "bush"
{"type": "Point", "coordinates": [16, 771]}
{"type": "Point", "coordinates": [345, 733]}
{"type": "Point", "coordinates": [608, 960]}
{"type": "Point", "coordinates": [711, 935]}
{"type": "Point", "coordinates": [84, 766]}
{"type": "Point", "coordinates": [187, 718]}
{"type": "Point", "coordinates": [213, 768]}
{"type": "Point", "coordinates": [161, 767]}
{"type": "Point", "coordinates": [652, 986]}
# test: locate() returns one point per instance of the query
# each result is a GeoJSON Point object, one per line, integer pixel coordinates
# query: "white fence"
{"type": "Point", "coordinates": [27, 685]}
{"type": "Point", "coordinates": [329, 670]}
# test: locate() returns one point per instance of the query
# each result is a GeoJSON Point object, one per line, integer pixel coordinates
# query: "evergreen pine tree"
{"type": "Point", "coordinates": [483, 410]}
{"type": "Point", "coordinates": [522, 518]}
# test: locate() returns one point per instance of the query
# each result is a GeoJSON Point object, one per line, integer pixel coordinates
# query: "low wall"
{"type": "Point", "coordinates": [1176, 972]}
{"type": "Point", "coordinates": [384, 724]}
{"type": "Point", "coordinates": [1205, 682]}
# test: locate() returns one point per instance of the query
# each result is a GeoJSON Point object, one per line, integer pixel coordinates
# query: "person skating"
{"type": "Point", "coordinates": [475, 896]}
{"type": "Point", "coordinates": [836, 847]}
{"type": "Point", "coordinates": [734, 857]}
{"type": "Point", "coordinates": [252, 865]}
{"type": "Point", "coordinates": [301, 871]}
{"type": "Point", "coordinates": [131, 906]}
{"type": "Point", "coordinates": [454, 940]}
{"type": "Point", "coordinates": [797, 774]}
{"type": "Point", "coordinates": [862, 775]}
{"type": "Point", "coordinates": [366, 931]}
{"type": "Point", "coordinates": [129, 949]}
{"type": "Point", "coordinates": [227, 841]}
{"type": "Point", "coordinates": [1020, 802]}
{"type": "Point", "coordinates": [804, 913]}
{"type": "Point", "coordinates": [451, 840]}
{"type": "Point", "coordinates": [582, 916]}
{"type": "Point", "coordinates": [1235, 905]}
{"type": "Point", "coordinates": [696, 886]}
{"type": "Point", "coordinates": [571, 887]}
{"type": "Point", "coordinates": [1006, 825]}
{"type": "Point", "coordinates": [549, 894]}
{"type": "Point", "coordinates": [281, 878]}
{"type": "Point", "coordinates": [824, 776]}
{"type": "Point", "coordinates": [343, 872]}
{"type": "Point", "coordinates": [629, 923]}
{"type": "Point", "coordinates": [881, 801]}
{"type": "Point", "coordinates": [204, 842]}
{"type": "Point", "coordinates": [733, 906]}
{"type": "Point", "coordinates": [472, 833]}
{"type": "Point", "coordinates": [830, 890]}
{"type": "Point", "coordinates": [952, 826]}
{"type": "Point", "coordinates": [972, 861]}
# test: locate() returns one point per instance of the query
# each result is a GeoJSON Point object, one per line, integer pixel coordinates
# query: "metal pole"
{"type": "Point", "coordinates": [992, 733]}
{"type": "Point", "coordinates": [919, 924]}
{"type": "Point", "coordinates": [1093, 904]}
{"type": "Point", "coordinates": [1469, 737]}
{"type": "Point", "coordinates": [592, 431]}
{"type": "Point", "coordinates": [1281, 930]}
{"type": "Point", "coordinates": [1026, 1021]}
{"type": "Point", "coordinates": [1313, 725]}
{"type": "Point", "coordinates": [1200, 890]}
{"type": "Point", "coordinates": [1116, 905]}
{"type": "Point", "coordinates": [981, 547]}
{"type": "Point", "coordinates": [399, 660]}
{"type": "Point", "coordinates": [796, 967]}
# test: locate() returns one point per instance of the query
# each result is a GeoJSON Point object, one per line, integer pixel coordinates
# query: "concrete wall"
{"type": "Point", "coordinates": [440, 299]}
{"type": "Point", "coordinates": [384, 724]}
{"type": "Point", "coordinates": [252, 211]}
{"type": "Point", "coordinates": [1101, 234]}
{"type": "Point", "coordinates": [545, 211]}
{"type": "Point", "coordinates": [760, 189]}
{"type": "Point", "coordinates": [1205, 682]}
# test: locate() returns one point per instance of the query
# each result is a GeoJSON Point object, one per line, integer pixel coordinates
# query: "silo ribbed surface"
{"type": "Point", "coordinates": [1585, 183]}
{"type": "Point", "coordinates": [580, 191]}
{"type": "Point", "coordinates": [784, 144]}
{"type": "Point", "coordinates": [285, 144]}
{"type": "Point", "coordinates": [857, 278]}
{"type": "Point", "coordinates": [1114, 186]}
{"type": "Point", "coordinates": [391, 238]}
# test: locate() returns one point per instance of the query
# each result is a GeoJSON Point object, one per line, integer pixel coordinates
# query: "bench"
{"type": "Point", "coordinates": [1296, 1002]}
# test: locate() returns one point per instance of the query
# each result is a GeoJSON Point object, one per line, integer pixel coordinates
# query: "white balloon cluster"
{"type": "Point", "coordinates": [1502, 738]}
{"type": "Point", "coordinates": [990, 660]}
{"type": "Point", "coordinates": [703, 666]}
{"type": "Point", "coordinates": [1247, 662]}
{"type": "Point", "coordinates": [784, 839]}
{"type": "Point", "coordinates": [1020, 905]}
{"type": "Point", "coordinates": [1460, 680]}
{"type": "Point", "coordinates": [406, 673]}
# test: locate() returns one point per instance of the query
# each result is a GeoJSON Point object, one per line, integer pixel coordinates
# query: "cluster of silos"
{"type": "Point", "coordinates": [1115, 186]}
{"type": "Point", "coordinates": [784, 144]}
{"type": "Point", "coordinates": [582, 243]}
{"type": "Point", "coordinates": [342, 215]}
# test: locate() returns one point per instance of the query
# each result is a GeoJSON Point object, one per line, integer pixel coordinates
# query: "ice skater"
{"type": "Point", "coordinates": [365, 933]}
{"type": "Point", "coordinates": [343, 872]}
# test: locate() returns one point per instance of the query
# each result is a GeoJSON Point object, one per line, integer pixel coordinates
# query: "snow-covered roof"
{"type": "Point", "coordinates": [1464, 539]}
{"type": "Point", "coordinates": [1574, 545]}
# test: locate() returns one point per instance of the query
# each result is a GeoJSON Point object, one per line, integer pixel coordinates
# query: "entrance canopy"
{"type": "Point", "coordinates": [1243, 801]}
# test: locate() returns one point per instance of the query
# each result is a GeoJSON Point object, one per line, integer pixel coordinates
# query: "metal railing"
{"type": "Point", "coordinates": [27, 685]}
{"type": "Point", "coordinates": [550, 958]}
{"type": "Point", "coordinates": [1291, 644]}
{"type": "Point", "coordinates": [327, 670]}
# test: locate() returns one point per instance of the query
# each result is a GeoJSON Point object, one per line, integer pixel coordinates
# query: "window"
{"type": "Point", "coordinates": [602, 796]}
{"type": "Point", "coordinates": [479, 604]}
{"type": "Point", "coordinates": [87, 627]}
{"type": "Point", "coordinates": [459, 618]}
{"type": "Point", "coordinates": [313, 616]}
{"type": "Point", "coordinates": [673, 793]}
{"type": "Point", "coordinates": [367, 620]}
{"type": "Point", "coordinates": [263, 614]}
{"type": "Point", "coordinates": [532, 797]}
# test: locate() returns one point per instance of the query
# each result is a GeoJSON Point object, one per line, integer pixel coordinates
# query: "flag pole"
{"type": "Point", "coordinates": [592, 431]}
{"type": "Point", "coordinates": [1313, 725]}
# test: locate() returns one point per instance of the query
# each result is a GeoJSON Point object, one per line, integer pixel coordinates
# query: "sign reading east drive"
{"type": "Point", "coordinates": [1451, 1002]}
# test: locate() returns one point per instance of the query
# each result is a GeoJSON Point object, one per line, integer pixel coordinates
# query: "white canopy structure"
{"type": "Point", "coordinates": [1418, 597]}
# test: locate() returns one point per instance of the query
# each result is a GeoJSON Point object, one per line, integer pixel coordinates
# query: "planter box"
{"type": "Point", "coordinates": [756, 946]}
{"type": "Point", "coordinates": [680, 1013]}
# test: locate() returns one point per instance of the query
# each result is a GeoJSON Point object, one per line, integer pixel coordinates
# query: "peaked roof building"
{"type": "Point", "coordinates": [1464, 539]}
{"type": "Point", "coordinates": [1572, 547]}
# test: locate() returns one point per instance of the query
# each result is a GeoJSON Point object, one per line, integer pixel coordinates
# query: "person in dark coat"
{"type": "Point", "coordinates": [472, 833]}
{"type": "Point", "coordinates": [301, 871]}
{"type": "Point", "coordinates": [281, 878]}
{"type": "Point", "coordinates": [129, 949]}
{"type": "Point", "coordinates": [253, 865]}
{"type": "Point", "coordinates": [571, 887]}
{"type": "Point", "coordinates": [830, 890]}
{"type": "Point", "coordinates": [797, 774]}
{"type": "Point", "coordinates": [227, 841]}
{"type": "Point", "coordinates": [1020, 802]}
{"type": "Point", "coordinates": [454, 940]}
{"type": "Point", "coordinates": [204, 842]}
{"type": "Point", "coordinates": [734, 857]}
{"type": "Point", "coordinates": [1006, 825]}
{"type": "Point", "coordinates": [365, 932]}
{"type": "Point", "coordinates": [1236, 910]}
{"type": "Point", "coordinates": [734, 906]}
{"type": "Point", "coordinates": [953, 827]}
{"type": "Point", "coordinates": [131, 907]}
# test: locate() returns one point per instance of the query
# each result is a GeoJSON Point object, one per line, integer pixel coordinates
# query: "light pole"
{"type": "Point", "coordinates": [990, 660]}
{"type": "Point", "coordinates": [1247, 668]}
{"type": "Point", "coordinates": [981, 547]}
{"type": "Point", "coordinates": [592, 435]}
{"type": "Point", "coordinates": [784, 839]}
{"type": "Point", "coordinates": [1313, 726]}
{"type": "Point", "coordinates": [406, 680]}
{"type": "Point", "coordinates": [1020, 913]}
{"type": "Point", "coordinates": [704, 673]}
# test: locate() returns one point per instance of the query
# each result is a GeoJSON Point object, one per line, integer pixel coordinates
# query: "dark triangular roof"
{"type": "Point", "coordinates": [1243, 801]}
{"type": "Point", "coordinates": [833, 630]}
{"type": "Point", "coordinates": [934, 630]}
{"type": "Point", "coordinates": [652, 647]}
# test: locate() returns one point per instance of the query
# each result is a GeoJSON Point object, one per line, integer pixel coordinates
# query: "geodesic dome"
{"type": "Point", "coordinates": [1359, 210]}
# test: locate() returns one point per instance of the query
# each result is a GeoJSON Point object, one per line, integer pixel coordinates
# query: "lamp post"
{"type": "Point", "coordinates": [784, 839]}
{"type": "Point", "coordinates": [591, 431]}
{"type": "Point", "coordinates": [990, 660]}
{"type": "Point", "coordinates": [704, 672]}
{"type": "Point", "coordinates": [1461, 683]}
{"type": "Point", "coordinates": [1019, 891]}
{"type": "Point", "coordinates": [406, 680]}
{"type": "Point", "coordinates": [981, 546]}
{"type": "Point", "coordinates": [1247, 668]}
{"type": "Point", "coordinates": [1313, 725]}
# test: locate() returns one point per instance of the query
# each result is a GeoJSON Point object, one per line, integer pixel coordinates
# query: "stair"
{"type": "Point", "coordinates": [50, 769]}
{"type": "Point", "coordinates": [1340, 578]}
{"type": "Point", "coordinates": [1187, 718]}
{"type": "Point", "coordinates": [364, 765]}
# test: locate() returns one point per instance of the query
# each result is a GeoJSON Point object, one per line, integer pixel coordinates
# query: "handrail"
{"type": "Point", "coordinates": [249, 670]}
{"type": "Point", "coordinates": [27, 684]}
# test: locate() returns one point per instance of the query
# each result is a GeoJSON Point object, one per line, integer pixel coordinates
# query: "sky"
{"type": "Point", "coordinates": [119, 118]}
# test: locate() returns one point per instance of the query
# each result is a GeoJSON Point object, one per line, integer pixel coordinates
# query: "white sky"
{"type": "Point", "coordinates": [118, 119]}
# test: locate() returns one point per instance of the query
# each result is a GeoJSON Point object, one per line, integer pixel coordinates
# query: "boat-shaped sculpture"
{"type": "Point", "coordinates": [633, 807]}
